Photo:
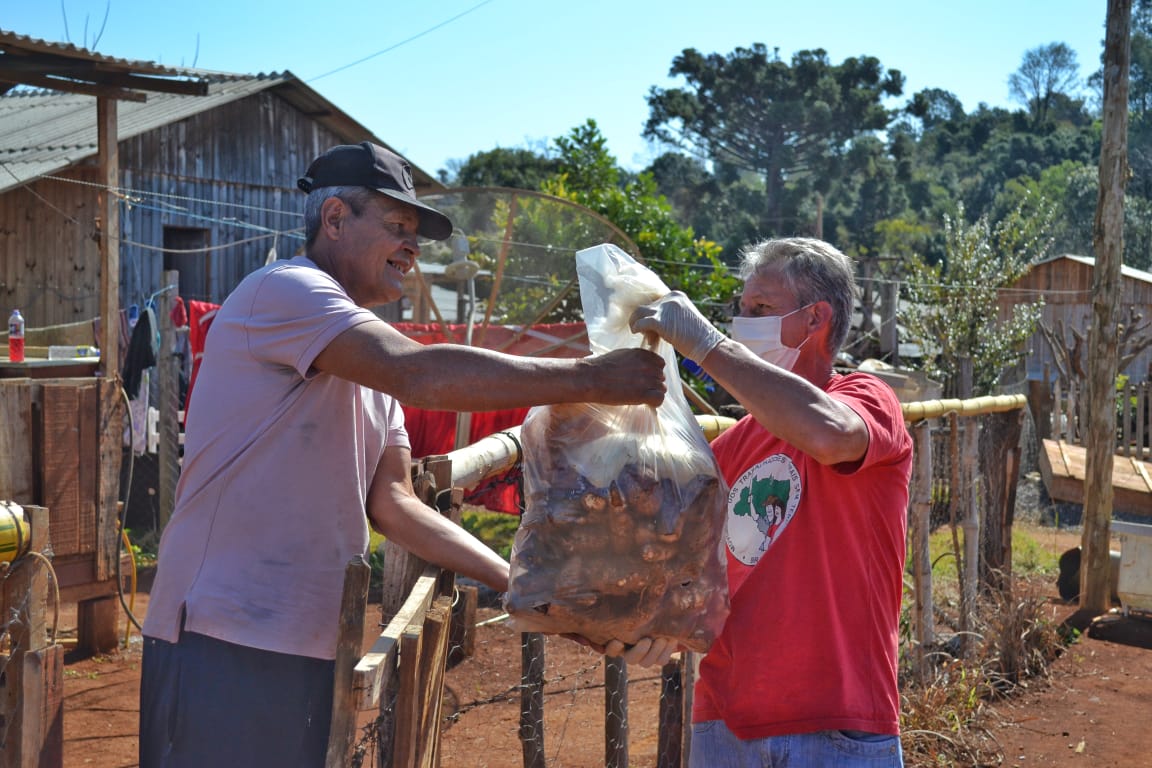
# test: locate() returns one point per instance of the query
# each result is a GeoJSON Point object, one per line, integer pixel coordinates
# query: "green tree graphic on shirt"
{"type": "Point", "coordinates": [764, 501]}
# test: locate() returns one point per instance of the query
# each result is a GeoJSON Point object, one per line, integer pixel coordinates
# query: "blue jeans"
{"type": "Point", "coordinates": [714, 746]}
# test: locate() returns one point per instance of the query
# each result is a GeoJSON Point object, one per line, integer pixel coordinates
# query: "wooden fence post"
{"type": "Point", "coordinates": [168, 406]}
{"type": "Point", "coordinates": [969, 488]}
{"type": "Point", "coordinates": [999, 451]}
{"type": "Point", "coordinates": [670, 736]}
{"type": "Point", "coordinates": [615, 712]}
{"type": "Point", "coordinates": [1140, 393]}
{"type": "Point", "coordinates": [918, 534]}
{"type": "Point", "coordinates": [342, 731]}
{"type": "Point", "coordinates": [1057, 429]}
{"type": "Point", "coordinates": [532, 699]}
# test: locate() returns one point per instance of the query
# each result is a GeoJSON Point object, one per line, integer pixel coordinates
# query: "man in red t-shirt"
{"type": "Point", "coordinates": [804, 672]}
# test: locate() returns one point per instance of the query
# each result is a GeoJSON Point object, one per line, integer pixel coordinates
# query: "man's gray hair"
{"type": "Point", "coordinates": [356, 197]}
{"type": "Point", "coordinates": [813, 271]}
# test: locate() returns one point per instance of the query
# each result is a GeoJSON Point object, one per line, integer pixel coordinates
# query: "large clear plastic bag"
{"type": "Point", "coordinates": [622, 533]}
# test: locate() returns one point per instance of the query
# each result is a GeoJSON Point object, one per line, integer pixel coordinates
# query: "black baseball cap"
{"type": "Point", "coordinates": [369, 165]}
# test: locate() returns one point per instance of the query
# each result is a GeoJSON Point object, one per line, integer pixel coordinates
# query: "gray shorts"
{"type": "Point", "coordinates": [205, 702]}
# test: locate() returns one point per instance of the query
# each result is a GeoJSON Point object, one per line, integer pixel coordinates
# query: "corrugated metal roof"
{"type": "Point", "coordinates": [25, 44]}
{"type": "Point", "coordinates": [1125, 270]}
{"type": "Point", "coordinates": [44, 132]}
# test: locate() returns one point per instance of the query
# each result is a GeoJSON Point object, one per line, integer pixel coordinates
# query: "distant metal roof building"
{"type": "Point", "coordinates": [1090, 261]}
{"type": "Point", "coordinates": [44, 130]}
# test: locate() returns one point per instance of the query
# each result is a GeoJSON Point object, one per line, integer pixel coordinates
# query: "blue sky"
{"type": "Point", "coordinates": [441, 79]}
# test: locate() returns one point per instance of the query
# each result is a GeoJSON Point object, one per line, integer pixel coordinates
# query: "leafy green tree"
{"type": "Point", "coordinates": [590, 176]}
{"type": "Point", "coordinates": [1072, 190]}
{"type": "Point", "coordinates": [1045, 73]}
{"type": "Point", "coordinates": [935, 106]}
{"type": "Point", "coordinates": [953, 158]}
{"type": "Point", "coordinates": [1138, 233]}
{"type": "Point", "coordinates": [868, 192]}
{"type": "Point", "coordinates": [1140, 102]}
{"type": "Point", "coordinates": [724, 206]}
{"type": "Point", "coordinates": [953, 310]}
{"type": "Point", "coordinates": [516, 168]}
{"type": "Point", "coordinates": [1017, 155]}
{"type": "Point", "coordinates": [687, 184]}
{"type": "Point", "coordinates": [581, 171]}
{"type": "Point", "coordinates": [1139, 64]}
{"type": "Point", "coordinates": [784, 121]}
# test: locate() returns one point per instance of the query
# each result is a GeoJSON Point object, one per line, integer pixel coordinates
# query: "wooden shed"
{"type": "Point", "coordinates": [207, 187]}
{"type": "Point", "coordinates": [1064, 284]}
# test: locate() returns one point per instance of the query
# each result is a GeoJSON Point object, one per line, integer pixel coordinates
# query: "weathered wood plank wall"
{"type": "Point", "coordinates": [230, 171]}
{"type": "Point", "coordinates": [1065, 285]}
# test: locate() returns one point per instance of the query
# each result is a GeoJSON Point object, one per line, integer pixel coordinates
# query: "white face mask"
{"type": "Point", "coordinates": [762, 336]}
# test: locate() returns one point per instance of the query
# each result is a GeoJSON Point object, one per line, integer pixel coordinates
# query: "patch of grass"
{"type": "Point", "coordinates": [945, 717]}
{"type": "Point", "coordinates": [143, 547]}
{"type": "Point", "coordinates": [942, 553]}
{"type": "Point", "coordinates": [496, 529]}
{"type": "Point", "coordinates": [946, 722]}
{"type": "Point", "coordinates": [1020, 637]}
{"type": "Point", "coordinates": [1029, 556]}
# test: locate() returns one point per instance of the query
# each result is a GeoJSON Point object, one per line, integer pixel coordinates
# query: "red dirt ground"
{"type": "Point", "coordinates": [1092, 711]}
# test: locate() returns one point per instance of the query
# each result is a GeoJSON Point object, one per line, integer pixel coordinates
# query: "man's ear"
{"type": "Point", "coordinates": [334, 213]}
{"type": "Point", "coordinates": [819, 317]}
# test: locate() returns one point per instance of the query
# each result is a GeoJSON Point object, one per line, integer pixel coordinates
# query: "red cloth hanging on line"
{"type": "Point", "coordinates": [434, 432]}
{"type": "Point", "coordinates": [200, 317]}
{"type": "Point", "coordinates": [431, 432]}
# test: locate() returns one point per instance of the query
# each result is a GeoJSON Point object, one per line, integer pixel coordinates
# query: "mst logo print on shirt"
{"type": "Point", "coordinates": [760, 506]}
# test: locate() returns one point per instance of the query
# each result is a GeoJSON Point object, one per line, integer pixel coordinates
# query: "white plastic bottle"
{"type": "Point", "coordinates": [16, 337]}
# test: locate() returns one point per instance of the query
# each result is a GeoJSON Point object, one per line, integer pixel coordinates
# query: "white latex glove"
{"type": "Point", "coordinates": [647, 652]}
{"type": "Point", "coordinates": [675, 318]}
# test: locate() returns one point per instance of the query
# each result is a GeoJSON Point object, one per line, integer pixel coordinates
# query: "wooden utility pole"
{"type": "Point", "coordinates": [1103, 355]}
{"type": "Point", "coordinates": [108, 142]}
{"type": "Point", "coordinates": [168, 450]}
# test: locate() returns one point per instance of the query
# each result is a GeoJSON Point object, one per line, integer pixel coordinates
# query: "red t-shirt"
{"type": "Point", "coordinates": [815, 563]}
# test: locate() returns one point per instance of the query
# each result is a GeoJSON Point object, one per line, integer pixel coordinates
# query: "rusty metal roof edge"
{"type": "Point", "coordinates": [13, 41]}
{"type": "Point", "coordinates": [205, 75]}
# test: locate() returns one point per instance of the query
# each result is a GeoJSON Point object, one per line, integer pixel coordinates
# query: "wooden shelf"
{"type": "Point", "coordinates": [1062, 465]}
